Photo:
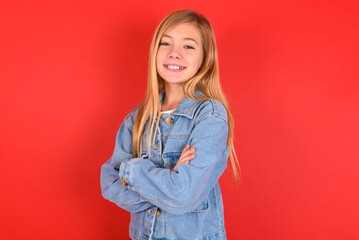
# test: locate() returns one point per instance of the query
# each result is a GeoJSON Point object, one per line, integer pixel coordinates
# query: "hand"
{"type": "Point", "coordinates": [186, 156]}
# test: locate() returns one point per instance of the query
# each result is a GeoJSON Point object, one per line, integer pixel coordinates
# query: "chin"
{"type": "Point", "coordinates": [174, 82]}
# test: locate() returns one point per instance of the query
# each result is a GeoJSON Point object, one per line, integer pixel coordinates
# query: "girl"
{"type": "Point", "coordinates": [171, 150]}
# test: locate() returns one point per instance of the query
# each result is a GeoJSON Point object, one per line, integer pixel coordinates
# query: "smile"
{"type": "Point", "coordinates": [172, 67]}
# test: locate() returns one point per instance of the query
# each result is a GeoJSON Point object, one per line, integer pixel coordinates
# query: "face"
{"type": "Point", "coordinates": [180, 54]}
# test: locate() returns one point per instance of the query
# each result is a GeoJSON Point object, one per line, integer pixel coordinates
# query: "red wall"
{"type": "Point", "coordinates": [72, 70]}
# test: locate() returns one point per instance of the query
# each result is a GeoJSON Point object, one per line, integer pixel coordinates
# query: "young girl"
{"type": "Point", "coordinates": [171, 150]}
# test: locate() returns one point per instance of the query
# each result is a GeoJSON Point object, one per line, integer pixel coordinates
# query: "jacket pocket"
{"type": "Point", "coordinates": [203, 206]}
{"type": "Point", "coordinates": [171, 159]}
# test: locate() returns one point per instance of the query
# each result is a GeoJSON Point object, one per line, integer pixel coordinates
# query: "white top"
{"type": "Point", "coordinates": [168, 111]}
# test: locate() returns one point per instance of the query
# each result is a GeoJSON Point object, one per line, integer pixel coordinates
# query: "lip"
{"type": "Point", "coordinates": [180, 69]}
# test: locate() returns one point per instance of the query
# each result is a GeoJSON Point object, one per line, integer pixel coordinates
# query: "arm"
{"type": "Point", "coordinates": [183, 190]}
{"type": "Point", "coordinates": [111, 186]}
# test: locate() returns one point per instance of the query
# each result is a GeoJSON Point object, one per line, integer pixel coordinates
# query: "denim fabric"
{"type": "Point", "coordinates": [188, 201]}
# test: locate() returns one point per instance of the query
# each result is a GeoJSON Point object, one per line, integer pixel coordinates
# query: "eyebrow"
{"type": "Point", "coordinates": [186, 38]}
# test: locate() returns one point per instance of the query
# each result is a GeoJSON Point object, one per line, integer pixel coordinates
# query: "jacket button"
{"type": "Point", "coordinates": [169, 120]}
{"type": "Point", "coordinates": [158, 213]}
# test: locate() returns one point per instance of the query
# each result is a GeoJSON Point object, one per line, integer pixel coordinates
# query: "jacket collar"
{"type": "Point", "coordinates": [187, 107]}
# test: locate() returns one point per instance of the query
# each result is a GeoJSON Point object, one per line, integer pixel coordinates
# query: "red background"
{"type": "Point", "coordinates": [72, 70]}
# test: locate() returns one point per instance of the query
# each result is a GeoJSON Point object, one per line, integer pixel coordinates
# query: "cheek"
{"type": "Point", "coordinates": [158, 59]}
{"type": "Point", "coordinates": [198, 62]}
{"type": "Point", "coordinates": [162, 51]}
{"type": "Point", "coordinates": [159, 56]}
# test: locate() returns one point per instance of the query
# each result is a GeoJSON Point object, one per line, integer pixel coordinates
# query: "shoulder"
{"type": "Point", "coordinates": [130, 118]}
{"type": "Point", "coordinates": [210, 120]}
{"type": "Point", "coordinates": [211, 108]}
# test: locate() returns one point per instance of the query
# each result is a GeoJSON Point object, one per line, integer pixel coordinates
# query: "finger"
{"type": "Point", "coordinates": [189, 151]}
{"type": "Point", "coordinates": [192, 150]}
{"type": "Point", "coordinates": [187, 158]}
{"type": "Point", "coordinates": [183, 161]}
{"type": "Point", "coordinates": [186, 148]}
{"type": "Point", "coordinates": [180, 163]}
{"type": "Point", "coordinates": [185, 154]}
{"type": "Point", "coordinates": [191, 157]}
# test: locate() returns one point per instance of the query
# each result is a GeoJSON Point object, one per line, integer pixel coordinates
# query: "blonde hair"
{"type": "Point", "coordinates": [206, 80]}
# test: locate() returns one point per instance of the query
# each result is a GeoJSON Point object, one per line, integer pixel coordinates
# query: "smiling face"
{"type": "Point", "coordinates": [180, 54]}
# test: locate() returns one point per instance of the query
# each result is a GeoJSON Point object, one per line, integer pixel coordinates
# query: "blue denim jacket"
{"type": "Point", "coordinates": [164, 204]}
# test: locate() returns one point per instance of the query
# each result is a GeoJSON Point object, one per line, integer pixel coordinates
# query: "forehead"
{"type": "Point", "coordinates": [184, 30]}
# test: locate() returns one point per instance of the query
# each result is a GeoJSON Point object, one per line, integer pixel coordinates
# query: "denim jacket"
{"type": "Point", "coordinates": [164, 204]}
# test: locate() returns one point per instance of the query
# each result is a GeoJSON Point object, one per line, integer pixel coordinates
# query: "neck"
{"type": "Point", "coordinates": [173, 97]}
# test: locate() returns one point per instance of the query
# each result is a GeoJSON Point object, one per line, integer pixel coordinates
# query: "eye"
{"type": "Point", "coordinates": [164, 44]}
{"type": "Point", "coordinates": [188, 47]}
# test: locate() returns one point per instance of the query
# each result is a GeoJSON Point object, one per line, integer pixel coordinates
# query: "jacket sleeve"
{"type": "Point", "coordinates": [183, 190]}
{"type": "Point", "coordinates": [111, 186]}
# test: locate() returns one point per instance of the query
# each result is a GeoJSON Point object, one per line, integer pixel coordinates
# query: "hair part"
{"type": "Point", "coordinates": [206, 80]}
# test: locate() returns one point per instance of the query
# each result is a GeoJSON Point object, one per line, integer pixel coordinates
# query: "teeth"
{"type": "Point", "coordinates": [174, 67]}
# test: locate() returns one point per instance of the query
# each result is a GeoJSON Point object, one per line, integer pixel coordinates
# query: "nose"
{"type": "Point", "coordinates": [174, 53]}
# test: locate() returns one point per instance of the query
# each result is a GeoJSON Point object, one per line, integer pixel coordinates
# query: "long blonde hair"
{"type": "Point", "coordinates": [206, 80]}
